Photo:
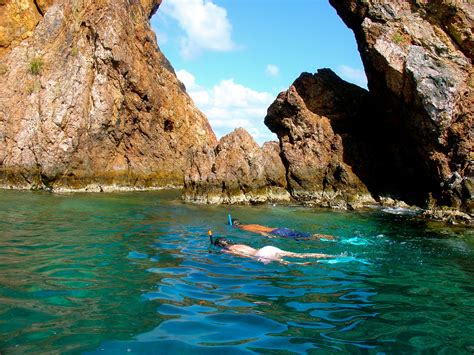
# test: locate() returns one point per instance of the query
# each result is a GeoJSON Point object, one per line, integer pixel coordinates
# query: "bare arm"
{"type": "Point", "coordinates": [306, 255]}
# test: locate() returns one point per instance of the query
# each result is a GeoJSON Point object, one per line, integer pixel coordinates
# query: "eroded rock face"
{"type": "Point", "coordinates": [89, 100]}
{"type": "Point", "coordinates": [18, 19]}
{"type": "Point", "coordinates": [418, 60]}
{"type": "Point", "coordinates": [305, 119]}
{"type": "Point", "coordinates": [237, 170]}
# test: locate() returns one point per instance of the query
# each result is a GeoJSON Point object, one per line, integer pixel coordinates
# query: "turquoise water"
{"type": "Point", "coordinates": [133, 273]}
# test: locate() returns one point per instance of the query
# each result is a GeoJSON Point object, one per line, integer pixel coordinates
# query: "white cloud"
{"type": "Point", "coordinates": [356, 76]}
{"type": "Point", "coordinates": [186, 78]}
{"type": "Point", "coordinates": [229, 105]}
{"type": "Point", "coordinates": [272, 70]}
{"type": "Point", "coordinates": [206, 26]}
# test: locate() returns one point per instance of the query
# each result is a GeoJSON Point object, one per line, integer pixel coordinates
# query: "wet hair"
{"type": "Point", "coordinates": [222, 242]}
{"type": "Point", "coordinates": [235, 222]}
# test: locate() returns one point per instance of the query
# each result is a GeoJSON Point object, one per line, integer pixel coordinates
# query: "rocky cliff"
{"type": "Point", "coordinates": [87, 100]}
{"type": "Point", "coordinates": [410, 137]}
{"type": "Point", "coordinates": [319, 123]}
{"type": "Point", "coordinates": [237, 170]}
{"type": "Point", "coordinates": [418, 60]}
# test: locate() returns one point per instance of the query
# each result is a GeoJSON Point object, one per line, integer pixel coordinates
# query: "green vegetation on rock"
{"type": "Point", "coordinates": [32, 87]}
{"type": "Point", "coordinates": [36, 65]}
{"type": "Point", "coordinates": [3, 68]}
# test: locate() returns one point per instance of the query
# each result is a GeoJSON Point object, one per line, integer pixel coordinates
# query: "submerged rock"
{"type": "Point", "coordinates": [314, 121]}
{"type": "Point", "coordinates": [448, 216]}
{"type": "Point", "coordinates": [237, 170]}
{"type": "Point", "coordinates": [418, 60]}
{"type": "Point", "coordinates": [88, 100]}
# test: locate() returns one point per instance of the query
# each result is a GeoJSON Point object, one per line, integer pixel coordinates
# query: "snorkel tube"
{"type": "Point", "coordinates": [229, 219]}
{"type": "Point", "coordinates": [209, 233]}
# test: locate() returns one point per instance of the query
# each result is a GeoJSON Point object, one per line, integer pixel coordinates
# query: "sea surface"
{"type": "Point", "coordinates": [133, 273]}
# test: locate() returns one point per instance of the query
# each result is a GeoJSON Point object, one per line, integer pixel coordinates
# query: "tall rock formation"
{"type": "Point", "coordinates": [317, 123]}
{"type": "Point", "coordinates": [237, 170]}
{"type": "Point", "coordinates": [418, 60]}
{"type": "Point", "coordinates": [87, 99]}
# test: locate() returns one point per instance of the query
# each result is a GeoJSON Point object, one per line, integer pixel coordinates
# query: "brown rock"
{"type": "Point", "coordinates": [237, 170]}
{"type": "Point", "coordinates": [304, 119]}
{"type": "Point", "coordinates": [18, 19]}
{"type": "Point", "coordinates": [418, 60]}
{"type": "Point", "coordinates": [89, 100]}
{"type": "Point", "coordinates": [448, 216]}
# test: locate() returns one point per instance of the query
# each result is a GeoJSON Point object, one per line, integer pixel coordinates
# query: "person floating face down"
{"type": "Point", "coordinates": [276, 232]}
{"type": "Point", "coordinates": [266, 254]}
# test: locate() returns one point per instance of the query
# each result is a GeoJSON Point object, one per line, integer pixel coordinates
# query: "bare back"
{"type": "Point", "coordinates": [241, 249]}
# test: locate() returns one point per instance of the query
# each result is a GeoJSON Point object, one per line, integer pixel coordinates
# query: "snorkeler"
{"type": "Point", "coordinates": [275, 232]}
{"type": "Point", "coordinates": [266, 254]}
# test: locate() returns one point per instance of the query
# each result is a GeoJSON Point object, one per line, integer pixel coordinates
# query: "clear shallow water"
{"type": "Point", "coordinates": [133, 273]}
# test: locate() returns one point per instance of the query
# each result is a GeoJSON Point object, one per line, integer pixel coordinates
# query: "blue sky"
{"type": "Point", "coordinates": [235, 56]}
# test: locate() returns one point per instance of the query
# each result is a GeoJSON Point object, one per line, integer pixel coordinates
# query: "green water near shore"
{"type": "Point", "coordinates": [133, 273]}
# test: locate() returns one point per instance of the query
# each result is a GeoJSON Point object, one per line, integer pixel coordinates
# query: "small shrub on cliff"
{"type": "Point", "coordinates": [74, 51]}
{"type": "Point", "coordinates": [3, 69]}
{"type": "Point", "coordinates": [397, 38]}
{"type": "Point", "coordinates": [36, 65]}
{"type": "Point", "coordinates": [400, 38]}
{"type": "Point", "coordinates": [32, 87]}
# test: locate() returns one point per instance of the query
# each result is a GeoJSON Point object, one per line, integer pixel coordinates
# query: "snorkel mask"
{"type": "Point", "coordinates": [232, 221]}
{"type": "Point", "coordinates": [220, 241]}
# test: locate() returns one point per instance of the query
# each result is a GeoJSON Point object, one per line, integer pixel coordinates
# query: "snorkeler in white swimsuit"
{"type": "Point", "coordinates": [266, 254]}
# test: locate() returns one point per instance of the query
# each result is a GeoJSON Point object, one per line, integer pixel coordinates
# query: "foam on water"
{"type": "Point", "coordinates": [344, 259]}
{"type": "Point", "coordinates": [401, 211]}
{"type": "Point", "coordinates": [355, 241]}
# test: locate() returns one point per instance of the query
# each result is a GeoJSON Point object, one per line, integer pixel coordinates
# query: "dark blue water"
{"type": "Point", "coordinates": [134, 273]}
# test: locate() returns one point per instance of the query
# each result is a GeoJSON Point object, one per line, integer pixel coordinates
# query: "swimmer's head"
{"type": "Point", "coordinates": [222, 242]}
{"type": "Point", "coordinates": [219, 242]}
{"type": "Point", "coordinates": [235, 222]}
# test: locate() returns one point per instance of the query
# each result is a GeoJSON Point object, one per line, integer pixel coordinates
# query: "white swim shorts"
{"type": "Point", "coordinates": [268, 253]}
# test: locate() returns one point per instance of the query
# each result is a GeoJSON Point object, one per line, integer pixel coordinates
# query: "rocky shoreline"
{"type": "Point", "coordinates": [236, 170]}
{"type": "Point", "coordinates": [267, 196]}
{"type": "Point", "coordinates": [93, 188]}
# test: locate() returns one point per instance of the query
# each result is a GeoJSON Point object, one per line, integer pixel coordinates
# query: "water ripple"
{"type": "Point", "coordinates": [133, 273]}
